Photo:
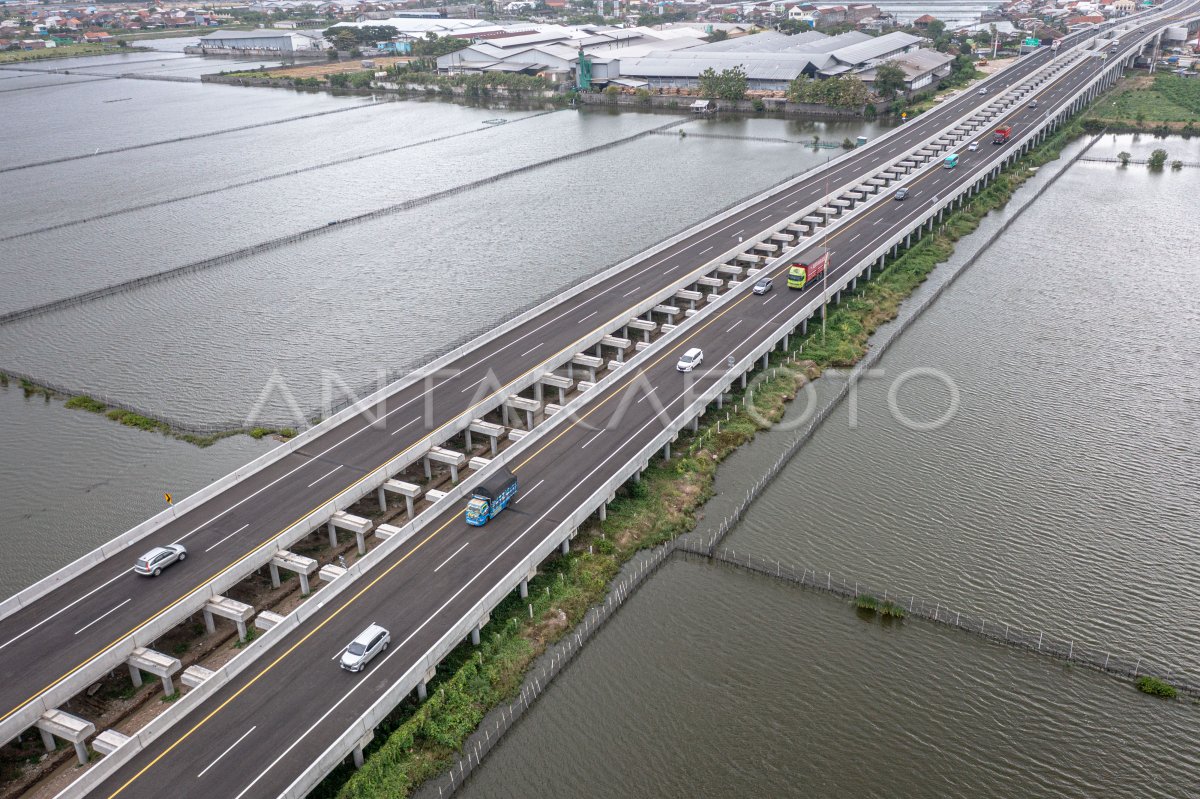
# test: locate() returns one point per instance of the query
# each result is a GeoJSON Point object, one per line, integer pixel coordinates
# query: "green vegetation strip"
{"type": "Point", "coordinates": [1164, 104]}
{"type": "Point", "coordinates": [1156, 687]}
{"type": "Point", "coordinates": [64, 51]}
{"type": "Point", "coordinates": [419, 741]}
{"type": "Point", "coordinates": [129, 418]}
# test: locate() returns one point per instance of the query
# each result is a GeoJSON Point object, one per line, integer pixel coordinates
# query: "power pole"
{"type": "Point", "coordinates": [825, 271]}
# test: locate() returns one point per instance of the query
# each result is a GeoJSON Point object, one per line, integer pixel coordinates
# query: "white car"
{"type": "Point", "coordinates": [983, 90]}
{"type": "Point", "coordinates": [764, 285]}
{"type": "Point", "coordinates": [973, 146]}
{"type": "Point", "coordinates": [690, 360]}
{"type": "Point", "coordinates": [153, 562]}
{"type": "Point", "coordinates": [369, 643]}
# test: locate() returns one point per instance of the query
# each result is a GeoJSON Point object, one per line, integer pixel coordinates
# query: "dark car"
{"type": "Point", "coordinates": [901, 193]}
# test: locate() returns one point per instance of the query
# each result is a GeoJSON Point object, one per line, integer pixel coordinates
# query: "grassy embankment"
{"type": "Point", "coordinates": [83, 402]}
{"type": "Point", "coordinates": [65, 51]}
{"type": "Point", "coordinates": [1162, 104]}
{"type": "Point", "coordinates": [178, 33]}
{"type": "Point", "coordinates": [417, 742]}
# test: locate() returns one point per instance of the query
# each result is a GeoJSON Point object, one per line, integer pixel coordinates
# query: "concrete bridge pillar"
{"type": "Point", "coordinates": [695, 424]}
{"type": "Point", "coordinates": [804, 328]}
{"type": "Point", "coordinates": [475, 635]}
{"type": "Point", "coordinates": [765, 357]}
{"type": "Point", "coordinates": [666, 453]}
{"type": "Point", "coordinates": [358, 748]}
{"type": "Point", "coordinates": [423, 685]}
{"type": "Point", "coordinates": [565, 548]}
{"type": "Point", "coordinates": [743, 379]}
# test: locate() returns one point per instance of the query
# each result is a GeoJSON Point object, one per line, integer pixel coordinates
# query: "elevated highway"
{"type": "Point", "coordinates": [59, 636]}
{"type": "Point", "coordinates": [242, 735]}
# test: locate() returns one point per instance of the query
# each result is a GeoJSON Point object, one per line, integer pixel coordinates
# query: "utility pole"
{"type": "Point", "coordinates": [825, 271]}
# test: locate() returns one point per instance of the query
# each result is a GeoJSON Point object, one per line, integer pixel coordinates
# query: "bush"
{"type": "Point", "coordinates": [1157, 159]}
{"type": "Point", "coordinates": [643, 96]}
{"type": "Point", "coordinates": [86, 403]}
{"type": "Point", "coordinates": [1156, 687]}
{"type": "Point", "coordinates": [758, 105]}
{"type": "Point", "coordinates": [866, 602]}
{"type": "Point", "coordinates": [612, 90]}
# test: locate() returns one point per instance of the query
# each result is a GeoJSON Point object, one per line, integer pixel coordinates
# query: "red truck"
{"type": "Point", "coordinates": [1002, 135]}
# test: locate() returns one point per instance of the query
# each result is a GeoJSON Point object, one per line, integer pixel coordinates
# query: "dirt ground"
{"type": "Point", "coordinates": [334, 67]}
{"type": "Point", "coordinates": [994, 66]}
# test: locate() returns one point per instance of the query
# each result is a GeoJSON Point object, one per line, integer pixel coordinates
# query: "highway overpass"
{"type": "Point", "coordinates": [432, 589]}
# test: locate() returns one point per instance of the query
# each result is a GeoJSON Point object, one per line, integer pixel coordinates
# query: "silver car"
{"type": "Point", "coordinates": [763, 286]}
{"type": "Point", "coordinates": [369, 643]}
{"type": "Point", "coordinates": [153, 562]}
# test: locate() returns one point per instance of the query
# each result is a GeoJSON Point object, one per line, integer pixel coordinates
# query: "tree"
{"type": "Point", "coordinates": [1157, 159]}
{"type": "Point", "coordinates": [728, 84]}
{"type": "Point", "coordinates": [719, 35]}
{"type": "Point", "coordinates": [1124, 157]}
{"type": "Point", "coordinates": [839, 92]}
{"type": "Point", "coordinates": [433, 45]}
{"type": "Point", "coordinates": [889, 79]}
{"type": "Point", "coordinates": [1176, 165]}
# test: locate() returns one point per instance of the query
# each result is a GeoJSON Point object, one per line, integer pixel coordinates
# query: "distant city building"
{"type": "Point", "coordinates": [262, 41]}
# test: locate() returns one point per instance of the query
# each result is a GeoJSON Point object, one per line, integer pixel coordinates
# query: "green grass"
{"type": "Point", "coordinates": [886, 608]}
{"type": "Point", "coordinates": [132, 419]}
{"type": "Point", "coordinates": [86, 403]}
{"type": "Point", "coordinates": [1156, 687]}
{"type": "Point", "coordinates": [1138, 103]}
{"type": "Point", "coordinates": [64, 51]}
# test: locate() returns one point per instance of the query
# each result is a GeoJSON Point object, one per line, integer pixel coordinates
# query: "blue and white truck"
{"type": "Point", "coordinates": [490, 497]}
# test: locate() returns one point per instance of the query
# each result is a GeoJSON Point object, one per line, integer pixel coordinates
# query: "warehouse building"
{"type": "Point", "coordinates": [262, 41]}
{"type": "Point", "coordinates": [922, 68]}
{"type": "Point", "coordinates": [772, 63]}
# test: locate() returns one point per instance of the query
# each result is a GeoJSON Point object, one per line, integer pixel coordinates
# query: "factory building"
{"type": "Point", "coordinates": [262, 41]}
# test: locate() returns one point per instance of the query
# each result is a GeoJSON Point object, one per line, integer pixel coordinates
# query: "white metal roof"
{"type": "Point", "coordinates": [260, 33]}
{"type": "Point", "coordinates": [875, 47]}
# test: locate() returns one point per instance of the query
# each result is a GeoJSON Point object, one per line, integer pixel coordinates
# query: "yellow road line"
{"type": "Point", "coordinates": [277, 660]}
